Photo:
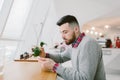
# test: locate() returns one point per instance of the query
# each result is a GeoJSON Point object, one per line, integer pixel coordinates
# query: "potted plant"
{"type": "Point", "coordinates": [36, 51]}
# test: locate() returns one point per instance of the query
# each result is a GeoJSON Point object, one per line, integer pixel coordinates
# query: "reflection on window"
{"type": "Point", "coordinates": [1, 3]}
{"type": "Point", "coordinates": [17, 18]}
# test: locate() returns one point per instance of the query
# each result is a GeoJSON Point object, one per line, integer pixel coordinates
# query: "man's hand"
{"type": "Point", "coordinates": [46, 64]}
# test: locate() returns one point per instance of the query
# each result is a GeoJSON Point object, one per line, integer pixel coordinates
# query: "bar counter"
{"type": "Point", "coordinates": [17, 70]}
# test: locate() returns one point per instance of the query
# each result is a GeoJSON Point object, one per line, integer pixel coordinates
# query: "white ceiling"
{"type": "Point", "coordinates": [87, 10]}
{"type": "Point", "coordinates": [90, 13]}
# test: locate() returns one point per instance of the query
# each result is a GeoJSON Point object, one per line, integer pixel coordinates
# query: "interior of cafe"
{"type": "Point", "coordinates": [25, 24]}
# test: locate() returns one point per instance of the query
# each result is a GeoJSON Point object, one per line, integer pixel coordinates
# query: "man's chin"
{"type": "Point", "coordinates": [67, 43]}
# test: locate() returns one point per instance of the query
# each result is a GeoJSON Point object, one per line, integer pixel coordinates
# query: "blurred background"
{"type": "Point", "coordinates": [25, 23]}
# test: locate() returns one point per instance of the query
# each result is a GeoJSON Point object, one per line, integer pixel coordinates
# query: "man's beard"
{"type": "Point", "coordinates": [70, 40]}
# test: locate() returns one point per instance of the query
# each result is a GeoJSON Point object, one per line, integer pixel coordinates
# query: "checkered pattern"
{"type": "Point", "coordinates": [78, 40]}
{"type": "Point", "coordinates": [55, 67]}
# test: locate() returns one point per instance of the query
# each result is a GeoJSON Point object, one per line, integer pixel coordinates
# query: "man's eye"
{"type": "Point", "coordinates": [64, 32]}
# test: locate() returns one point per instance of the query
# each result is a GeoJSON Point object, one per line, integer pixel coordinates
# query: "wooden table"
{"type": "Point", "coordinates": [26, 71]}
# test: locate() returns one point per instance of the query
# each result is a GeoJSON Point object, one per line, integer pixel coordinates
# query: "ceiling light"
{"type": "Point", "coordinates": [96, 33]}
{"type": "Point", "coordinates": [93, 28]}
{"type": "Point", "coordinates": [100, 34]}
{"type": "Point", "coordinates": [91, 32]}
{"type": "Point", "coordinates": [87, 31]}
{"type": "Point", "coordinates": [107, 26]}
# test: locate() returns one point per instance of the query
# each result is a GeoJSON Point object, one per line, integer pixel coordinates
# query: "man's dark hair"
{"type": "Point", "coordinates": [67, 19]}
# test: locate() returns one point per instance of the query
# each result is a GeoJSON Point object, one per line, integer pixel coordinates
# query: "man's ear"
{"type": "Point", "coordinates": [76, 29]}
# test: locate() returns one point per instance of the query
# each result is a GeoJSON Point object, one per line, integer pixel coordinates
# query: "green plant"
{"type": "Point", "coordinates": [36, 51]}
{"type": "Point", "coordinates": [42, 43]}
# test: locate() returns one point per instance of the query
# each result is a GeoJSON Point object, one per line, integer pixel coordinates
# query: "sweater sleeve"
{"type": "Point", "coordinates": [61, 57]}
{"type": "Point", "coordinates": [87, 62]}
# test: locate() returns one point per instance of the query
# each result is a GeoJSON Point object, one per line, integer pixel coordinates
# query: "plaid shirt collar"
{"type": "Point", "coordinates": [78, 40]}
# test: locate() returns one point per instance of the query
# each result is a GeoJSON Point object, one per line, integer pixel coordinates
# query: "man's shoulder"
{"type": "Point", "coordinates": [88, 38]}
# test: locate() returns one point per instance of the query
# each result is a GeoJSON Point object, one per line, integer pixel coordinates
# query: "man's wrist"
{"type": "Point", "coordinates": [55, 67]}
{"type": "Point", "coordinates": [47, 55]}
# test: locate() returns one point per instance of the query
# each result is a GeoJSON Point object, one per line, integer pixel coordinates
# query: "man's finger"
{"type": "Point", "coordinates": [42, 59]}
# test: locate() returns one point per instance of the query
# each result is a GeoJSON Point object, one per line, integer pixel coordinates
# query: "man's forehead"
{"type": "Point", "coordinates": [65, 28]}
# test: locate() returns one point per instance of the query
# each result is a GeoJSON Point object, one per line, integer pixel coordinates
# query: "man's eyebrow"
{"type": "Point", "coordinates": [64, 30]}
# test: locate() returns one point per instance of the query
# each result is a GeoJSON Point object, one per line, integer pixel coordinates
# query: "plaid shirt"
{"type": "Point", "coordinates": [78, 40]}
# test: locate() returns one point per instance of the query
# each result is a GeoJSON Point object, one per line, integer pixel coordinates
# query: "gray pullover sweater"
{"type": "Point", "coordinates": [87, 61]}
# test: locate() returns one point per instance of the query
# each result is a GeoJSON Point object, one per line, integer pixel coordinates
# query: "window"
{"type": "Point", "coordinates": [1, 3]}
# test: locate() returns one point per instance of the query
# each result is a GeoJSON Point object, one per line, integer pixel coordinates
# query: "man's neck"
{"type": "Point", "coordinates": [78, 34]}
